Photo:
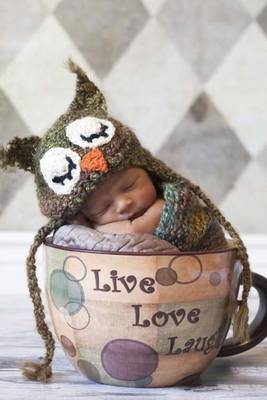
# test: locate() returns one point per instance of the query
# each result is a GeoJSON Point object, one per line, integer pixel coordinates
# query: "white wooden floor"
{"type": "Point", "coordinates": [238, 377]}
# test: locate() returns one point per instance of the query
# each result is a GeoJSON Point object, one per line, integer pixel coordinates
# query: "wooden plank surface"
{"type": "Point", "coordinates": [238, 377]}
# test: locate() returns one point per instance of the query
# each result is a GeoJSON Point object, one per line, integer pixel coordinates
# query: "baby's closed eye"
{"type": "Point", "coordinates": [129, 186]}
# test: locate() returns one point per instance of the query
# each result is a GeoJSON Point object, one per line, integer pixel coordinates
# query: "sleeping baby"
{"type": "Point", "coordinates": [129, 202]}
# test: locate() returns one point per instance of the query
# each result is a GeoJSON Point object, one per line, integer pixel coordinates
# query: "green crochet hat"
{"type": "Point", "coordinates": [81, 148]}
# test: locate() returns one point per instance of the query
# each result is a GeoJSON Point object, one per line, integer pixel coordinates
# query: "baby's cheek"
{"type": "Point", "coordinates": [102, 219]}
{"type": "Point", "coordinates": [109, 217]}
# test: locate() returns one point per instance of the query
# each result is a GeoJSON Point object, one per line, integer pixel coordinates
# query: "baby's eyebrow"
{"type": "Point", "coordinates": [129, 178]}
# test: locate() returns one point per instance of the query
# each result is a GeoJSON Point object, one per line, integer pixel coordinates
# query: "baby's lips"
{"type": "Point", "coordinates": [94, 160]}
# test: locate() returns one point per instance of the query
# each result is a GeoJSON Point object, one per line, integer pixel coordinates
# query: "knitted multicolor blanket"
{"type": "Point", "coordinates": [186, 223]}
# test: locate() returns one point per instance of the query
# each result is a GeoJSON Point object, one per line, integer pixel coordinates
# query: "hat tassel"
{"type": "Point", "coordinates": [240, 323]}
{"type": "Point", "coordinates": [40, 371]}
{"type": "Point", "coordinates": [37, 372]}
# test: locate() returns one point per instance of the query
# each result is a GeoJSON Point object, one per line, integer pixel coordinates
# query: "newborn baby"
{"type": "Point", "coordinates": [128, 201]}
{"type": "Point", "coordinates": [125, 202]}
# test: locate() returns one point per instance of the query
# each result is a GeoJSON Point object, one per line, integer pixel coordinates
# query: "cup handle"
{"type": "Point", "coordinates": [257, 328]}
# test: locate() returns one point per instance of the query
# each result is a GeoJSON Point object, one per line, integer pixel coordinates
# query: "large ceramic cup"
{"type": "Point", "coordinates": [145, 320]}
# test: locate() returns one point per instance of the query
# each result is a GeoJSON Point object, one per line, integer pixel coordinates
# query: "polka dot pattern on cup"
{"type": "Point", "coordinates": [79, 321]}
{"type": "Point", "coordinates": [89, 370]}
{"type": "Point", "coordinates": [215, 278]}
{"type": "Point", "coordinates": [68, 346]}
{"type": "Point", "coordinates": [67, 294]}
{"type": "Point", "coordinates": [74, 265]}
{"type": "Point", "coordinates": [167, 276]}
{"type": "Point", "coordinates": [129, 360]}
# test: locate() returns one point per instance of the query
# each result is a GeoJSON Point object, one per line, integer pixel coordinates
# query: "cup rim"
{"type": "Point", "coordinates": [231, 248]}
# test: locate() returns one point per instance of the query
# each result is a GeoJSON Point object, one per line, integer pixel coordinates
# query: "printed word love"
{"type": "Point", "coordinates": [161, 318]}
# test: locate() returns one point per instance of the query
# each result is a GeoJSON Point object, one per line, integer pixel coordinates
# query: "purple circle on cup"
{"type": "Point", "coordinates": [215, 278]}
{"type": "Point", "coordinates": [129, 360]}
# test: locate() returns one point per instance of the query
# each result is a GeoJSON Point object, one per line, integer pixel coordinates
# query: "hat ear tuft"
{"type": "Point", "coordinates": [87, 97]}
{"type": "Point", "coordinates": [76, 69]}
{"type": "Point", "coordinates": [19, 153]}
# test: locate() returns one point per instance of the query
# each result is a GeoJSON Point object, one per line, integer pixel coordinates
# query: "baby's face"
{"type": "Point", "coordinates": [123, 195]}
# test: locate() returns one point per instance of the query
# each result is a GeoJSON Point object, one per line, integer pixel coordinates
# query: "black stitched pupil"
{"type": "Point", "coordinates": [101, 133]}
{"type": "Point", "coordinates": [61, 179]}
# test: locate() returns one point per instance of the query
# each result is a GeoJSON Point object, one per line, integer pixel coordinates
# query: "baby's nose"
{"type": "Point", "coordinates": [123, 204]}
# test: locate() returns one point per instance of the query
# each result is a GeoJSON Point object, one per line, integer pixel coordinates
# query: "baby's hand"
{"type": "Point", "coordinates": [148, 222]}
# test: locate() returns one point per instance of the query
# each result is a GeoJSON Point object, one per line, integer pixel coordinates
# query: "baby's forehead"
{"type": "Point", "coordinates": [102, 189]}
{"type": "Point", "coordinates": [109, 181]}
{"type": "Point", "coordinates": [118, 176]}
{"type": "Point", "coordinates": [115, 177]}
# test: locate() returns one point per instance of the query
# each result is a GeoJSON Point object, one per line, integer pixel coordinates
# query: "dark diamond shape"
{"type": "Point", "coordinates": [102, 30]}
{"type": "Point", "coordinates": [262, 19]}
{"type": "Point", "coordinates": [205, 149]}
{"type": "Point", "coordinates": [11, 125]}
{"type": "Point", "coordinates": [203, 31]}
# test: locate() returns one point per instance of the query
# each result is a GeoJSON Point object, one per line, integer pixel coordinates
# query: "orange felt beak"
{"type": "Point", "coordinates": [94, 160]}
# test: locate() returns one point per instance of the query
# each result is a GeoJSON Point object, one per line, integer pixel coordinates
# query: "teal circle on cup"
{"type": "Point", "coordinates": [66, 292]}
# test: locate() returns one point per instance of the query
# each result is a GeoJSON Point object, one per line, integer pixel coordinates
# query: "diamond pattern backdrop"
{"type": "Point", "coordinates": [187, 76]}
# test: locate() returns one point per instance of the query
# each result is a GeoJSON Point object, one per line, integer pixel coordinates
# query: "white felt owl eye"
{"type": "Point", "coordinates": [61, 169]}
{"type": "Point", "coordinates": [90, 132]}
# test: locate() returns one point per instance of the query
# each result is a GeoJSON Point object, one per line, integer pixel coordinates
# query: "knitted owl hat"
{"type": "Point", "coordinates": [81, 148]}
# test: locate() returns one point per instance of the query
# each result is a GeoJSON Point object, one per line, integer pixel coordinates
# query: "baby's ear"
{"type": "Point", "coordinates": [20, 153]}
